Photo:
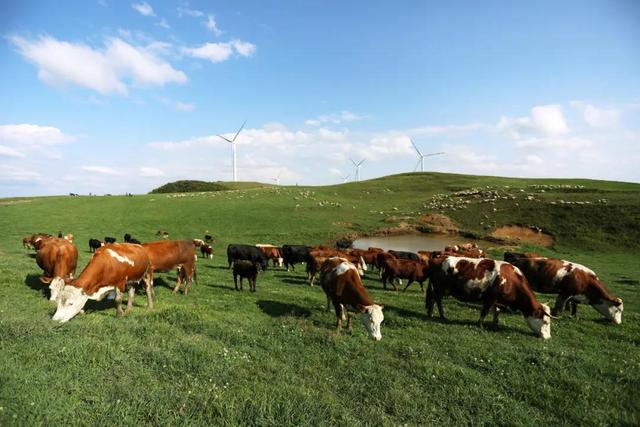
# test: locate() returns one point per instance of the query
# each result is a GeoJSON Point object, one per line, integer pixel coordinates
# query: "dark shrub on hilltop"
{"type": "Point", "coordinates": [190, 186]}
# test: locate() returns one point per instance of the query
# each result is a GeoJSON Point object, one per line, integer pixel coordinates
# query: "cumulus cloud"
{"type": "Point", "coordinates": [10, 152]}
{"type": "Point", "coordinates": [143, 8]}
{"type": "Point", "coordinates": [33, 135]}
{"type": "Point", "coordinates": [101, 169]}
{"type": "Point", "coordinates": [185, 11]}
{"type": "Point", "coordinates": [16, 174]}
{"type": "Point", "coordinates": [104, 70]}
{"type": "Point", "coordinates": [597, 117]}
{"type": "Point", "coordinates": [244, 48]}
{"type": "Point", "coordinates": [544, 119]}
{"type": "Point", "coordinates": [184, 106]}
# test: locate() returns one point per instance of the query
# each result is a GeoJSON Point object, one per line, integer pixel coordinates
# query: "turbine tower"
{"type": "Point", "coordinates": [233, 147]}
{"type": "Point", "coordinates": [277, 178]}
{"type": "Point", "coordinates": [357, 165]}
{"type": "Point", "coordinates": [422, 156]}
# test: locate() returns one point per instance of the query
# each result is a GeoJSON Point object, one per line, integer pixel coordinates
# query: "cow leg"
{"type": "Point", "coordinates": [561, 302]}
{"type": "Point", "coordinates": [240, 282]}
{"type": "Point", "coordinates": [409, 282]}
{"type": "Point", "coordinates": [148, 284]}
{"type": "Point", "coordinates": [350, 322]}
{"type": "Point", "coordinates": [118, 300]}
{"type": "Point", "coordinates": [253, 285]}
{"type": "Point", "coordinates": [178, 283]}
{"type": "Point", "coordinates": [132, 292]}
{"type": "Point", "coordinates": [496, 313]}
{"type": "Point", "coordinates": [488, 302]}
{"type": "Point", "coordinates": [574, 308]}
{"type": "Point", "coordinates": [429, 300]}
{"type": "Point", "coordinates": [235, 281]}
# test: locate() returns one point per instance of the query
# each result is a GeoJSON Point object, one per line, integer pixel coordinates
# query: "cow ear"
{"type": "Point", "coordinates": [45, 280]}
{"type": "Point", "coordinates": [618, 302]}
{"type": "Point", "coordinates": [361, 308]}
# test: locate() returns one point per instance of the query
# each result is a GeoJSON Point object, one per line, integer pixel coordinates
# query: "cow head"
{"type": "Point", "coordinates": [372, 317]}
{"type": "Point", "coordinates": [612, 310]}
{"type": "Point", "coordinates": [56, 285]}
{"type": "Point", "coordinates": [70, 301]}
{"type": "Point", "coordinates": [264, 262]}
{"type": "Point", "coordinates": [540, 321]}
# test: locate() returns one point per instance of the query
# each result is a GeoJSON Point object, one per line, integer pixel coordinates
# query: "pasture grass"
{"type": "Point", "coordinates": [221, 357]}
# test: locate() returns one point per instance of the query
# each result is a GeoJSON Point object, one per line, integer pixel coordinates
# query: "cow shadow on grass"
{"type": "Point", "coordinates": [401, 312]}
{"type": "Point", "coordinates": [216, 267]}
{"type": "Point", "coordinates": [33, 281]}
{"type": "Point", "coordinates": [32, 256]}
{"type": "Point", "coordinates": [296, 281]}
{"type": "Point", "coordinates": [488, 325]}
{"type": "Point", "coordinates": [279, 309]}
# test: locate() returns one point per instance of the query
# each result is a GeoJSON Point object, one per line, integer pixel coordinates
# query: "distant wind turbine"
{"type": "Point", "coordinates": [233, 147]}
{"type": "Point", "coordinates": [277, 178]}
{"type": "Point", "coordinates": [422, 156]}
{"type": "Point", "coordinates": [357, 165]}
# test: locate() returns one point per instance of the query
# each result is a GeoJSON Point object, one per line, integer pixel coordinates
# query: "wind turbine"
{"type": "Point", "coordinates": [422, 156]}
{"type": "Point", "coordinates": [277, 178]}
{"type": "Point", "coordinates": [357, 165]}
{"type": "Point", "coordinates": [233, 147]}
{"type": "Point", "coordinates": [345, 178]}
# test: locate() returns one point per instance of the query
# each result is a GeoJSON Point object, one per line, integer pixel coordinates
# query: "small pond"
{"type": "Point", "coordinates": [413, 242]}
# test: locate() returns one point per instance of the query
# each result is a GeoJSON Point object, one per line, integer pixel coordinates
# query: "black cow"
{"type": "Point", "coordinates": [110, 239]}
{"type": "Point", "coordinates": [293, 254]}
{"type": "Point", "coordinates": [208, 238]}
{"type": "Point", "coordinates": [344, 244]}
{"type": "Point", "coordinates": [94, 244]}
{"type": "Point", "coordinates": [404, 255]}
{"type": "Point", "coordinates": [247, 253]}
{"type": "Point", "coordinates": [127, 238]}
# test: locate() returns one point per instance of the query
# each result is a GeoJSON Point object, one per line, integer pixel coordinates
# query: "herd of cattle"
{"type": "Point", "coordinates": [463, 271]}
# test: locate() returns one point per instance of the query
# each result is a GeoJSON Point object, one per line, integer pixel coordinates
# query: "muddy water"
{"type": "Point", "coordinates": [412, 242]}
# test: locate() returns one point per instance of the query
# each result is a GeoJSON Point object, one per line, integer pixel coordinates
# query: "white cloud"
{"type": "Point", "coordinates": [544, 120]}
{"type": "Point", "coordinates": [150, 172]}
{"type": "Point", "coordinates": [164, 24]}
{"type": "Point", "coordinates": [244, 48]}
{"type": "Point", "coordinates": [143, 8]}
{"type": "Point", "coordinates": [214, 52]}
{"type": "Point", "coordinates": [212, 26]}
{"type": "Point", "coordinates": [101, 169]}
{"type": "Point", "coordinates": [104, 71]}
{"type": "Point", "coordinates": [185, 11]}
{"type": "Point", "coordinates": [10, 152]}
{"type": "Point", "coordinates": [33, 135]}
{"type": "Point", "coordinates": [554, 143]}
{"type": "Point", "coordinates": [598, 117]}
{"type": "Point", "coordinates": [335, 118]}
{"type": "Point", "coordinates": [183, 106]}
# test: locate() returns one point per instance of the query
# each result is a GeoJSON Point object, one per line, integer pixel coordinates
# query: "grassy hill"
{"type": "Point", "coordinates": [191, 186]}
{"type": "Point", "coordinates": [219, 356]}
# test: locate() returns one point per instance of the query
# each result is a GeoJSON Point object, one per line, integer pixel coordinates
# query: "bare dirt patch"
{"type": "Point", "coordinates": [523, 234]}
{"type": "Point", "coordinates": [439, 223]}
{"type": "Point", "coordinates": [14, 202]}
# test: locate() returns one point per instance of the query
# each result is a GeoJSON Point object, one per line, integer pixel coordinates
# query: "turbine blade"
{"type": "Point", "coordinates": [415, 146]}
{"type": "Point", "coordinates": [226, 139]}
{"type": "Point", "coordinates": [361, 162]}
{"type": "Point", "coordinates": [434, 154]}
{"type": "Point", "coordinates": [240, 130]}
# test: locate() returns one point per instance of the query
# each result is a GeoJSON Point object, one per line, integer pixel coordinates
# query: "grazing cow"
{"type": "Point", "coordinates": [26, 242]}
{"type": "Point", "coordinates": [413, 271]}
{"type": "Point", "coordinates": [368, 256]}
{"type": "Point", "coordinates": [165, 255]}
{"type": "Point", "coordinates": [460, 247]}
{"type": "Point", "coordinates": [198, 242]}
{"type": "Point", "coordinates": [108, 239]}
{"type": "Point", "coordinates": [272, 252]}
{"type": "Point", "coordinates": [344, 244]}
{"type": "Point", "coordinates": [69, 237]}
{"type": "Point", "coordinates": [381, 260]}
{"type": "Point", "coordinates": [572, 282]}
{"type": "Point", "coordinates": [246, 270]}
{"type": "Point", "coordinates": [127, 238]}
{"type": "Point", "coordinates": [495, 283]}
{"type": "Point", "coordinates": [314, 263]}
{"type": "Point", "coordinates": [341, 283]}
{"type": "Point", "coordinates": [208, 238]}
{"type": "Point", "coordinates": [57, 258]}
{"type": "Point", "coordinates": [113, 267]}
{"type": "Point", "coordinates": [405, 255]}
{"type": "Point", "coordinates": [134, 241]}
{"type": "Point", "coordinates": [94, 244]}
{"type": "Point", "coordinates": [321, 251]}
{"type": "Point", "coordinates": [248, 253]}
{"type": "Point", "coordinates": [293, 254]}
{"type": "Point", "coordinates": [162, 233]}
{"type": "Point", "coordinates": [206, 251]}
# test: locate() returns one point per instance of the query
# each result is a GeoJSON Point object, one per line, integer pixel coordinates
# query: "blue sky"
{"type": "Point", "coordinates": [121, 96]}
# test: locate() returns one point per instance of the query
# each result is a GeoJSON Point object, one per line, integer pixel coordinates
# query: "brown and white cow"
{"type": "Point", "coordinates": [572, 282]}
{"type": "Point", "coordinates": [26, 242]}
{"type": "Point", "coordinates": [398, 269]}
{"type": "Point", "coordinates": [314, 264]}
{"type": "Point", "coordinates": [206, 251]}
{"type": "Point", "coordinates": [272, 252]}
{"type": "Point", "coordinates": [165, 255]}
{"type": "Point", "coordinates": [494, 283]}
{"type": "Point", "coordinates": [341, 283]}
{"type": "Point", "coordinates": [38, 239]}
{"type": "Point", "coordinates": [113, 268]}
{"type": "Point", "coordinates": [58, 258]}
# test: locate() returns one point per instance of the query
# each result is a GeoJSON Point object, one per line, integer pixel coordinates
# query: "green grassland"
{"type": "Point", "coordinates": [221, 357]}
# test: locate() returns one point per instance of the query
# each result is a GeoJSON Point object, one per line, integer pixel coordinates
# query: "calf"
{"type": "Point", "coordinates": [341, 283]}
{"type": "Point", "coordinates": [198, 242]}
{"type": "Point", "coordinates": [206, 251]}
{"type": "Point", "coordinates": [572, 282]}
{"type": "Point", "coordinates": [108, 239]}
{"type": "Point", "coordinates": [58, 258]}
{"type": "Point", "coordinates": [94, 244]}
{"type": "Point", "coordinates": [26, 242]}
{"type": "Point", "coordinates": [245, 269]}
{"type": "Point", "coordinates": [113, 268]}
{"type": "Point", "coordinates": [237, 252]}
{"type": "Point", "coordinates": [495, 283]}
{"type": "Point", "coordinates": [165, 255]}
{"type": "Point", "coordinates": [413, 271]}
